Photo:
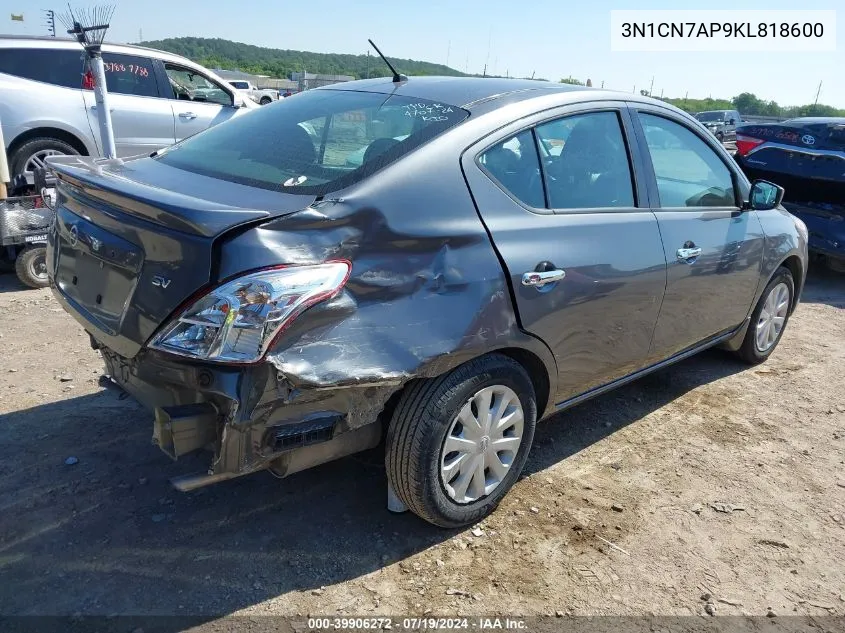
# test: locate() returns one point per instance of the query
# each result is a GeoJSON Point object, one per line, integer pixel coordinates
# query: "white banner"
{"type": "Point", "coordinates": [723, 31]}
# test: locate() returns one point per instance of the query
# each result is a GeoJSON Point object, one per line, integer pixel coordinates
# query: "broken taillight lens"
{"type": "Point", "coordinates": [239, 320]}
{"type": "Point", "coordinates": [745, 144]}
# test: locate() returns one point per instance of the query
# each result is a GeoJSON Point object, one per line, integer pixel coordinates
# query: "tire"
{"type": "Point", "coordinates": [751, 351]}
{"type": "Point", "coordinates": [31, 266]}
{"type": "Point", "coordinates": [31, 150]}
{"type": "Point", "coordinates": [427, 412]}
{"type": "Point", "coordinates": [720, 137]}
{"type": "Point", "coordinates": [265, 101]}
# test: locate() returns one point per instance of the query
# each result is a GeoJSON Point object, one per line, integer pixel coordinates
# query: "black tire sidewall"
{"type": "Point", "coordinates": [749, 349]}
{"type": "Point", "coordinates": [22, 154]}
{"type": "Point", "coordinates": [442, 411]}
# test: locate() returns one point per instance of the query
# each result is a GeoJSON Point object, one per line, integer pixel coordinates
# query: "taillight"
{"type": "Point", "coordinates": [88, 80]}
{"type": "Point", "coordinates": [239, 320]}
{"type": "Point", "coordinates": [745, 144]}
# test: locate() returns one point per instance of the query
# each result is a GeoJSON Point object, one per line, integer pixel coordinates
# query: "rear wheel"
{"type": "Point", "coordinates": [31, 266]}
{"type": "Point", "coordinates": [768, 321]}
{"type": "Point", "coordinates": [456, 444]}
{"type": "Point", "coordinates": [33, 154]}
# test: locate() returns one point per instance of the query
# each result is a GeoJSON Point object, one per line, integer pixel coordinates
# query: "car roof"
{"type": "Point", "coordinates": [817, 119]}
{"type": "Point", "coordinates": [473, 93]}
{"type": "Point", "coordinates": [63, 43]}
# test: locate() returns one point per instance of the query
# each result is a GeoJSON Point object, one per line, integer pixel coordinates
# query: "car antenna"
{"type": "Point", "coordinates": [397, 78]}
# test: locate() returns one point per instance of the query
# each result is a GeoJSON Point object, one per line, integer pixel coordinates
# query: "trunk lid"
{"type": "Point", "coordinates": [133, 241]}
{"type": "Point", "coordinates": [798, 150]}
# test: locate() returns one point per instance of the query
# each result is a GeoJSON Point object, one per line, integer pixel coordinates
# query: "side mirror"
{"type": "Point", "coordinates": [764, 196]}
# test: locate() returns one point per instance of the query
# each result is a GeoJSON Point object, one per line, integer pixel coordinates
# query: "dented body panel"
{"type": "Point", "coordinates": [427, 289]}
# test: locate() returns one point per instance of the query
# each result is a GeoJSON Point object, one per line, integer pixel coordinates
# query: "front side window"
{"type": "Point", "coordinates": [689, 172]}
{"type": "Point", "coordinates": [60, 67]}
{"type": "Point", "coordinates": [315, 142]}
{"type": "Point", "coordinates": [588, 164]}
{"type": "Point", "coordinates": [188, 85]}
{"type": "Point", "coordinates": [514, 164]}
{"type": "Point", "coordinates": [130, 75]}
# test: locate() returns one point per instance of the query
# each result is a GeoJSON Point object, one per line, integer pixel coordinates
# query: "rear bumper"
{"type": "Point", "coordinates": [826, 228]}
{"type": "Point", "coordinates": [251, 418]}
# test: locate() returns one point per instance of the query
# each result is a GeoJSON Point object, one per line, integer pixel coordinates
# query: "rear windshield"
{"type": "Point", "coordinates": [314, 142]}
{"type": "Point", "coordinates": [710, 116]}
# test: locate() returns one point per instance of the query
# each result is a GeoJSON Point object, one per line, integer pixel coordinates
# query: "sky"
{"type": "Point", "coordinates": [552, 38]}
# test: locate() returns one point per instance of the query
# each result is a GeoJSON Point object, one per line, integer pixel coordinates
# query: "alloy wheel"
{"type": "Point", "coordinates": [772, 317]}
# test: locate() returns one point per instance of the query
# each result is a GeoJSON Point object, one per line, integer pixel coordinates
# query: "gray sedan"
{"type": "Point", "coordinates": [432, 265]}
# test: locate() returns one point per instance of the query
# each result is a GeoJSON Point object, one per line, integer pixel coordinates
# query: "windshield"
{"type": "Point", "coordinates": [315, 142]}
{"type": "Point", "coordinates": [710, 116]}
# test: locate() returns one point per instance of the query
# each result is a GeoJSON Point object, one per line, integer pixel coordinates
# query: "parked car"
{"type": "Point", "coordinates": [721, 123]}
{"type": "Point", "coordinates": [47, 104]}
{"type": "Point", "coordinates": [806, 156]}
{"type": "Point", "coordinates": [269, 301]}
{"type": "Point", "coordinates": [262, 97]}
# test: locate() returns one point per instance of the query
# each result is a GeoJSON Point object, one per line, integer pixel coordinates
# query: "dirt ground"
{"type": "Point", "coordinates": [706, 478]}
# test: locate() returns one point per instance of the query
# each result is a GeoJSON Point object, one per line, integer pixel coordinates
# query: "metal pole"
{"type": "Point", "coordinates": [95, 58]}
{"type": "Point", "coordinates": [4, 167]}
{"type": "Point", "coordinates": [818, 92]}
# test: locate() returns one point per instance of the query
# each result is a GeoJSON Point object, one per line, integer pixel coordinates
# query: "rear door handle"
{"type": "Point", "coordinates": [688, 253]}
{"type": "Point", "coordinates": [535, 278]}
{"type": "Point", "coordinates": [187, 115]}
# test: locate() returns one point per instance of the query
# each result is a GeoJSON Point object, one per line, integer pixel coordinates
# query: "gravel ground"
{"type": "Point", "coordinates": [708, 483]}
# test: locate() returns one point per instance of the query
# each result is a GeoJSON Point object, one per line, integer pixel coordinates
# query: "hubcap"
{"type": "Point", "coordinates": [481, 444]}
{"type": "Point", "coordinates": [772, 317]}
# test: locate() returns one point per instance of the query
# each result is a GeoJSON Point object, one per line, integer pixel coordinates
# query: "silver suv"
{"type": "Point", "coordinates": [47, 102]}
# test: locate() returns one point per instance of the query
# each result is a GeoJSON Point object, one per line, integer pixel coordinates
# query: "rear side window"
{"type": "Point", "coordinates": [689, 173]}
{"type": "Point", "coordinates": [315, 142]}
{"type": "Point", "coordinates": [130, 75]}
{"type": "Point", "coordinates": [587, 166]}
{"type": "Point", "coordinates": [64, 68]}
{"type": "Point", "coordinates": [514, 164]}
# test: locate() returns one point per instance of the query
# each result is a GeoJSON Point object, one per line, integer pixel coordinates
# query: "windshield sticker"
{"type": "Point", "coordinates": [292, 182]}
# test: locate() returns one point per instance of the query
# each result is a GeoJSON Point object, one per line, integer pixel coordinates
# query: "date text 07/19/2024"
{"type": "Point", "coordinates": [415, 624]}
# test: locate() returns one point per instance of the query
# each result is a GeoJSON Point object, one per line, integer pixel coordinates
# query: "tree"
{"type": "Point", "coordinates": [571, 80]}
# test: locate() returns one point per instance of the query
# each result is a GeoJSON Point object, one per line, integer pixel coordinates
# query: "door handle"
{"type": "Point", "coordinates": [685, 254]}
{"type": "Point", "coordinates": [536, 278]}
{"type": "Point", "coordinates": [187, 115]}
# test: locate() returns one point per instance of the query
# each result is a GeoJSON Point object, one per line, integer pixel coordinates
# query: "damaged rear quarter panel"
{"type": "Point", "coordinates": [426, 293]}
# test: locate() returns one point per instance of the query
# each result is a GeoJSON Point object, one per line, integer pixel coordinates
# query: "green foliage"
{"type": "Point", "coordinates": [571, 80]}
{"type": "Point", "coordinates": [220, 53]}
{"type": "Point", "coordinates": [749, 104]}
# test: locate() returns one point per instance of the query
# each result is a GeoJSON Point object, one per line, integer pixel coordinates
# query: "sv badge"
{"type": "Point", "coordinates": [160, 282]}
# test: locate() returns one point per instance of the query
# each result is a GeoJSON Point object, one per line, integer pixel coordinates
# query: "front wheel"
{"type": "Point", "coordinates": [265, 101]}
{"type": "Point", "coordinates": [456, 444]}
{"type": "Point", "coordinates": [768, 321]}
{"type": "Point", "coordinates": [31, 266]}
